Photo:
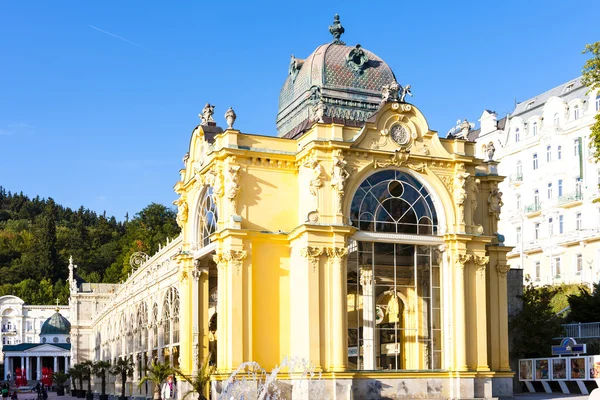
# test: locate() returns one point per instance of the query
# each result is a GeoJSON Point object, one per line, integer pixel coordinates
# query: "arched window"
{"type": "Point", "coordinates": [208, 217]}
{"type": "Point", "coordinates": [519, 170]}
{"type": "Point", "coordinates": [393, 285]}
{"type": "Point", "coordinates": [142, 326]}
{"type": "Point", "coordinates": [517, 135]}
{"type": "Point", "coordinates": [556, 120]}
{"type": "Point", "coordinates": [175, 316]}
{"type": "Point", "coordinates": [166, 321]}
{"type": "Point", "coordinates": [393, 202]}
{"type": "Point", "coordinates": [534, 128]}
{"type": "Point", "coordinates": [155, 326]}
{"type": "Point", "coordinates": [576, 112]}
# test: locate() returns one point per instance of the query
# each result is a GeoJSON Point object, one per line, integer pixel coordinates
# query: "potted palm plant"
{"type": "Point", "coordinates": [156, 373]}
{"type": "Point", "coordinates": [76, 372]}
{"type": "Point", "coordinates": [87, 376]}
{"type": "Point", "coordinates": [100, 369]}
{"type": "Point", "coordinates": [123, 368]}
{"type": "Point", "coordinates": [59, 379]}
{"type": "Point", "coordinates": [199, 382]}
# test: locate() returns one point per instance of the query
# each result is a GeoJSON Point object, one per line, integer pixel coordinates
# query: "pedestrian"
{"type": "Point", "coordinates": [14, 396]}
{"type": "Point", "coordinates": [169, 389]}
{"type": "Point", "coordinates": [5, 392]}
{"type": "Point", "coordinates": [8, 377]}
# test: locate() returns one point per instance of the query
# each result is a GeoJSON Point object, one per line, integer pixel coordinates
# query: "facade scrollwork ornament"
{"type": "Point", "coordinates": [138, 259]}
{"type": "Point", "coordinates": [339, 176]}
{"type": "Point", "coordinates": [235, 258]}
{"type": "Point", "coordinates": [232, 186]}
{"type": "Point", "coordinates": [461, 259]}
{"type": "Point", "coordinates": [460, 195]}
{"type": "Point", "coordinates": [337, 252]}
{"type": "Point", "coordinates": [312, 254]}
{"type": "Point", "coordinates": [357, 60]}
{"type": "Point", "coordinates": [400, 159]}
{"type": "Point", "coordinates": [389, 92]}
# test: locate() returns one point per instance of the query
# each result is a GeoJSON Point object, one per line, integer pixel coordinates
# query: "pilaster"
{"type": "Point", "coordinates": [460, 323]}
{"type": "Point", "coordinates": [480, 298]}
{"type": "Point", "coordinates": [338, 290]}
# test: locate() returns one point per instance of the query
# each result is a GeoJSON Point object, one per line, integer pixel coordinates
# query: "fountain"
{"type": "Point", "coordinates": [294, 378]}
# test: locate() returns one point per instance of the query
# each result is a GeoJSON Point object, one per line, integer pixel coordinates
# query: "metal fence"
{"type": "Point", "coordinates": [585, 330]}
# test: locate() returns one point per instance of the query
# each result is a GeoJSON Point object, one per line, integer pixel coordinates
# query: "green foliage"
{"type": "Point", "coordinates": [561, 293]}
{"type": "Point", "coordinates": [37, 237]}
{"type": "Point", "coordinates": [536, 325]}
{"type": "Point", "coordinates": [59, 378]}
{"type": "Point", "coordinates": [87, 368]}
{"type": "Point", "coordinates": [585, 306]}
{"type": "Point", "coordinates": [77, 373]}
{"type": "Point", "coordinates": [591, 78]}
{"type": "Point", "coordinates": [199, 382]}
{"type": "Point", "coordinates": [124, 369]}
{"type": "Point", "coordinates": [100, 368]}
{"type": "Point", "coordinates": [156, 373]}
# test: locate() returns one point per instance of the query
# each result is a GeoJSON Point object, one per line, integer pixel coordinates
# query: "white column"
{"type": "Point", "coordinates": [22, 362]}
{"type": "Point", "coordinates": [28, 368]}
{"type": "Point", "coordinates": [38, 368]}
{"type": "Point", "coordinates": [7, 368]}
{"type": "Point", "coordinates": [55, 364]}
{"type": "Point", "coordinates": [367, 282]}
{"type": "Point", "coordinates": [66, 364]}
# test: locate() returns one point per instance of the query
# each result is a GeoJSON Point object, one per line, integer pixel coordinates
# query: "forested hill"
{"type": "Point", "coordinates": [37, 236]}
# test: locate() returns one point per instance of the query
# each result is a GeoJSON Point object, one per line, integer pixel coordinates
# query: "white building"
{"type": "Point", "coordinates": [548, 214]}
{"type": "Point", "coordinates": [22, 324]}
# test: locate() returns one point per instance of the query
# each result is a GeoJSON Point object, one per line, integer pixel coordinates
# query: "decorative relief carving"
{"type": "Point", "coordinates": [182, 211]}
{"type": "Point", "coordinates": [366, 277]}
{"type": "Point", "coordinates": [495, 203]}
{"type": "Point", "coordinates": [339, 176]}
{"type": "Point", "coordinates": [357, 60]}
{"type": "Point", "coordinates": [337, 252]}
{"type": "Point", "coordinates": [213, 178]}
{"type": "Point", "coordinates": [480, 263]}
{"type": "Point", "coordinates": [502, 269]}
{"type": "Point", "coordinates": [462, 259]}
{"type": "Point", "coordinates": [390, 92]}
{"type": "Point", "coordinates": [232, 186]}
{"type": "Point", "coordinates": [184, 276]}
{"type": "Point", "coordinates": [400, 159]}
{"type": "Point", "coordinates": [312, 254]}
{"type": "Point", "coordinates": [235, 258]}
{"type": "Point", "coordinates": [460, 194]}
{"type": "Point", "coordinates": [316, 179]}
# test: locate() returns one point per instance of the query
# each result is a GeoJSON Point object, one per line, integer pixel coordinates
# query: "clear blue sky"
{"type": "Point", "coordinates": [98, 98]}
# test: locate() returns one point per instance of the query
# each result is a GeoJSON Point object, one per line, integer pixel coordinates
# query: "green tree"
{"type": "Point", "coordinates": [77, 372]}
{"type": "Point", "coordinates": [100, 368]}
{"type": "Point", "coordinates": [585, 306]}
{"type": "Point", "coordinates": [591, 78]}
{"type": "Point", "coordinates": [59, 379]}
{"type": "Point", "coordinates": [156, 373]}
{"type": "Point", "coordinates": [534, 327]}
{"type": "Point", "coordinates": [87, 367]}
{"type": "Point", "coordinates": [199, 382]}
{"type": "Point", "coordinates": [123, 368]}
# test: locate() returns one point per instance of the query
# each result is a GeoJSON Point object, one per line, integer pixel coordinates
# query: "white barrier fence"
{"type": "Point", "coordinates": [559, 369]}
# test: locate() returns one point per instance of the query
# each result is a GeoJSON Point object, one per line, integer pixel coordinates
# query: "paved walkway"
{"type": "Point", "coordinates": [544, 396]}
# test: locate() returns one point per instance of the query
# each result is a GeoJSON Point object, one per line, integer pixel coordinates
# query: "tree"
{"type": "Point", "coordinates": [156, 373]}
{"type": "Point", "coordinates": [100, 368]}
{"type": "Point", "coordinates": [87, 367]}
{"type": "Point", "coordinates": [591, 79]}
{"type": "Point", "coordinates": [585, 306]}
{"type": "Point", "coordinates": [535, 326]}
{"type": "Point", "coordinates": [59, 378]}
{"type": "Point", "coordinates": [76, 372]}
{"type": "Point", "coordinates": [123, 368]}
{"type": "Point", "coordinates": [199, 382]}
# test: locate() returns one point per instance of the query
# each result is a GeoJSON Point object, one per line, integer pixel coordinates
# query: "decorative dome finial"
{"type": "Point", "coordinates": [336, 30]}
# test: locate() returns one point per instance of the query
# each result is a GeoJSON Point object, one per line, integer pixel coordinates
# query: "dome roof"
{"type": "Point", "coordinates": [346, 80]}
{"type": "Point", "coordinates": [56, 325]}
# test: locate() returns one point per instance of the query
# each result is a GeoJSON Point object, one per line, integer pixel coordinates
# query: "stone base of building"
{"type": "Point", "coordinates": [375, 388]}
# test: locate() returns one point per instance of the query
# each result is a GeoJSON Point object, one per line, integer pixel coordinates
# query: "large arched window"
{"type": "Point", "coordinates": [142, 326]}
{"type": "Point", "coordinates": [394, 281]}
{"type": "Point", "coordinates": [207, 217]}
{"type": "Point", "coordinates": [155, 321]}
{"type": "Point", "coordinates": [393, 202]}
{"type": "Point", "coordinates": [166, 322]}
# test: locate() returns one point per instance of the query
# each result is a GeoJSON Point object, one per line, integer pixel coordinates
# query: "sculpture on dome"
{"type": "Point", "coordinates": [295, 66]}
{"type": "Point", "coordinates": [390, 92]}
{"type": "Point", "coordinates": [336, 30]}
{"type": "Point", "coordinates": [207, 114]}
{"type": "Point", "coordinates": [357, 59]}
{"type": "Point", "coordinates": [405, 91]}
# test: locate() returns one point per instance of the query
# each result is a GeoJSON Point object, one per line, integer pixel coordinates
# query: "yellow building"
{"type": "Point", "coordinates": [358, 240]}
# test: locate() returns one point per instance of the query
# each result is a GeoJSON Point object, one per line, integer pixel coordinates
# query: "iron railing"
{"type": "Point", "coordinates": [533, 208]}
{"type": "Point", "coordinates": [585, 330]}
{"type": "Point", "coordinates": [575, 196]}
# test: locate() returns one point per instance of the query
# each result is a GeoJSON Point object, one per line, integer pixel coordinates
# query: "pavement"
{"type": "Point", "coordinates": [544, 396]}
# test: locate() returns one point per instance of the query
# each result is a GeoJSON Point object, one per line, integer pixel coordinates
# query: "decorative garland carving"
{"type": "Point", "coordinates": [502, 269]}
{"type": "Point", "coordinates": [312, 254]}
{"type": "Point", "coordinates": [337, 252]}
{"type": "Point", "coordinates": [235, 258]}
{"type": "Point", "coordinates": [462, 259]}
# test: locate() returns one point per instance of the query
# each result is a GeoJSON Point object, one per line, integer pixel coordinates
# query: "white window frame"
{"type": "Point", "coordinates": [535, 161]}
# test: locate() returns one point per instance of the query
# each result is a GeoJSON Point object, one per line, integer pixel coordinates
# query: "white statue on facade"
{"type": "Point", "coordinates": [339, 176]}
{"type": "Point", "coordinates": [232, 186]}
{"type": "Point", "coordinates": [489, 151]}
{"type": "Point", "coordinates": [207, 114]}
{"type": "Point", "coordinates": [460, 194]}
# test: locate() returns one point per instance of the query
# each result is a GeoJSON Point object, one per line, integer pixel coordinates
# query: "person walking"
{"type": "Point", "coordinates": [169, 389]}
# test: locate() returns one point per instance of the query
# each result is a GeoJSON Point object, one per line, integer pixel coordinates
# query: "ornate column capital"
{"type": "Point", "coordinates": [502, 269]}
{"type": "Point", "coordinates": [480, 263]}
{"type": "Point", "coordinates": [366, 277]}
{"type": "Point", "coordinates": [312, 254]}
{"type": "Point", "coordinates": [337, 252]}
{"type": "Point", "coordinates": [462, 259]}
{"type": "Point", "coordinates": [235, 258]}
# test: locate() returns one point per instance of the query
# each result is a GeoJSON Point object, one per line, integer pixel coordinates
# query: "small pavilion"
{"type": "Point", "coordinates": [53, 351]}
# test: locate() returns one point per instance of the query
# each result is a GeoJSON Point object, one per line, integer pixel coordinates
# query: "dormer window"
{"type": "Point", "coordinates": [569, 87]}
{"type": "Point", "coordinates": [576, 112]}
{"type": "Point", "coordinates": [517, 135]}
{"type": "Point", "coordinates": [529, 105]}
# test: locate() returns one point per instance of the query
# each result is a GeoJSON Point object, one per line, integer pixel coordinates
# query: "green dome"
{"type": "Point", "coordinates": [56, 325]}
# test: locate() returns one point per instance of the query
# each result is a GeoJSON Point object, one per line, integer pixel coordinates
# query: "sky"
{"type": "Point", "coordinates": [98, 99]}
